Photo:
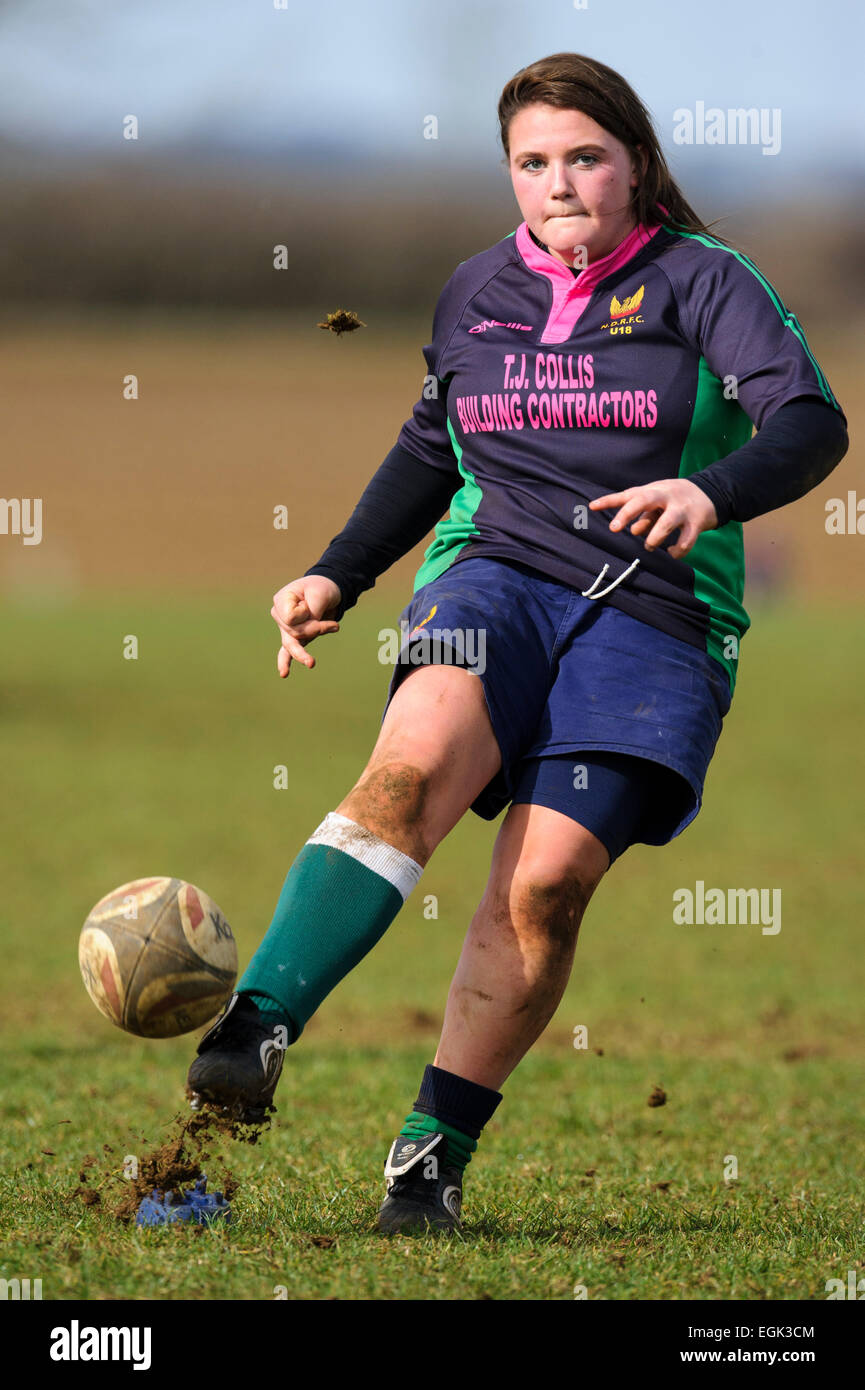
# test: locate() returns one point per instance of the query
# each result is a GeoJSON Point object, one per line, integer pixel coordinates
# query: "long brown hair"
{"type": "Point", "coordinates": [576, 83]}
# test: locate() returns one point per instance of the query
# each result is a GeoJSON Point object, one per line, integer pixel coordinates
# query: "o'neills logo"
{"type": "Point", "coordinates": [497, 323]}
{"type": "Point", "coordinates": [76, 1343]}
{"type": "Point", "coordinates": [624, 314]}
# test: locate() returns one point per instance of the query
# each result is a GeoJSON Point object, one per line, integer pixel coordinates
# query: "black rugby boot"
{"type": "Point", "coordinates": [239, 1062]}
{"type": "Point", "coordinates": [423, 1193]}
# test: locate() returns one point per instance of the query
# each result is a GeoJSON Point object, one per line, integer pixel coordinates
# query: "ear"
{"type": "Point", "coordinates": [639, 165]}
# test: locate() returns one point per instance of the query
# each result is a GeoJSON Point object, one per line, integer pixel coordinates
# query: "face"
{"type": "Point", "coordinates": [573, 181]}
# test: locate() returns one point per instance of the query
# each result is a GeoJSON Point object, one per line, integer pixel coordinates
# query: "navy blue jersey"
{"type": "Point", "coordinates": [546, 390]}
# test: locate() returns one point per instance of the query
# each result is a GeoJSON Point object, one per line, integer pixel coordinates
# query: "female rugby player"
{"type": "Point", "coordinates": [571, 645]}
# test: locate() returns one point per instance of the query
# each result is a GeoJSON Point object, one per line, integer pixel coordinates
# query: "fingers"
{"type": "Point", "coordinates": [660, 523]}
{"type": "Point", "coordinates": [689, 535]}
{"type": "Point", "coordinates": [656, 510]}
{"type": "Point", "coordinates": [653, 513]}
{"type": "Point", "coordinates": [631, 504]}
{"type": "Point", "coordinates": [670, 520]}
{"type": "Point", "coordinates": [289, 608]}
{"type": "Point", "coordinates": [297, 627]}
{"type": "Point", "coordinates": [284, 659]}
{"type": "Point", "coordinates": [634, 508]}
{"type": "Point", "coordinates": [297, 651]}
{"type": "Point", "coordinates": [312, 627]}
{"type": "Point", "coordinates": [612, 499]}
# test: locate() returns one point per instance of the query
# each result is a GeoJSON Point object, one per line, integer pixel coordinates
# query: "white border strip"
{"type": "Point", "coordinates": [338, 832]}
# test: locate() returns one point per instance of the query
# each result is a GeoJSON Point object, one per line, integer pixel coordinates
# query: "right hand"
{"type": "Point", "coordinates": [300, 611]}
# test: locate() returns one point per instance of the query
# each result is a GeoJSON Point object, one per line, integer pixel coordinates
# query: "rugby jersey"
{"type": "Point", "coordinates": [546, 389]}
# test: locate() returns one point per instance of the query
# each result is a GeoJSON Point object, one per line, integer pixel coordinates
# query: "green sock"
{"type": "Point", "coordinates": [268, 1005]}
{"type": "Point", "coordinates": [341, 894]}
{"type": "Point", "coordinates": [460, 1146]}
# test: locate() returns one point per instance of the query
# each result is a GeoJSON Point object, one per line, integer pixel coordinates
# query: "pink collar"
{"type": "Point", "coordinates": [572, 293]}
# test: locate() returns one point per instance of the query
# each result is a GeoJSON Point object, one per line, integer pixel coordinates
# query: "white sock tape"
{"type": "Point", "coordinates": [341, 833]}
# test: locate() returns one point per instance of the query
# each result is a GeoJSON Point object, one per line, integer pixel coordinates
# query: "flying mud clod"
{"type": "Point", "coordinates": [342, 321]}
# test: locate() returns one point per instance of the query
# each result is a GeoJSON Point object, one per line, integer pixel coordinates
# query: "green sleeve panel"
{"type": "Point", "coordinates": [457, 529]}
{"type": "Point", "coordinates": [718, 427]}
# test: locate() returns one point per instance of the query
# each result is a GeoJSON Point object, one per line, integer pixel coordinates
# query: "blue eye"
{"type": "Point", "coordinates": [535, 160]}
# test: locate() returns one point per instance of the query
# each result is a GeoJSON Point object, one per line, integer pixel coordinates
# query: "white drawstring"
{"type": "Point", "coordinates": [588, 593]}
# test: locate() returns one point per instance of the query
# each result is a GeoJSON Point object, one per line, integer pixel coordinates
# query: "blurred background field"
{"type": "Point", "coordinates": [155, 259]}
{"type": "Point", "coordinates": [240, 414]}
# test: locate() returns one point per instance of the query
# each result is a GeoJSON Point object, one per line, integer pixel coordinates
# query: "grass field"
{"type": "Point", "coordinates": [115, 769]}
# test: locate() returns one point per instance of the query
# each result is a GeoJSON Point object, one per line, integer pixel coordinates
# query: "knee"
{"type": "Point", "coordinates": [391, 798]}
{"type": "Point", "coordinates": [398, 785]}
{"type": "Point", "coordinates": [548, 900]}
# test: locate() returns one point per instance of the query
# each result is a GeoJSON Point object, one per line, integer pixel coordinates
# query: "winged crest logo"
{"type": "Point", "coordinates": [630, 305]}
{"type": "Point", "coordinates": [624, 313]}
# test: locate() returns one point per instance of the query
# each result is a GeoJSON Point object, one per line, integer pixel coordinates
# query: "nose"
{"type": "Point", "coordinates": [561, 179]}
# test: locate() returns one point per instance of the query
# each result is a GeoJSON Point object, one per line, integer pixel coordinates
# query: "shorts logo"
{"type": "Point", "coordinates": [430, 614]}
{"type": "Point", "coordinates": [624, 314]}
{"type": "Point", "coordinates": [497, 323]}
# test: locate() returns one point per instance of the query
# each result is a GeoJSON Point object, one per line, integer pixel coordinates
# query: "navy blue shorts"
{"type": "Point", "coordinates": [597, 715]}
